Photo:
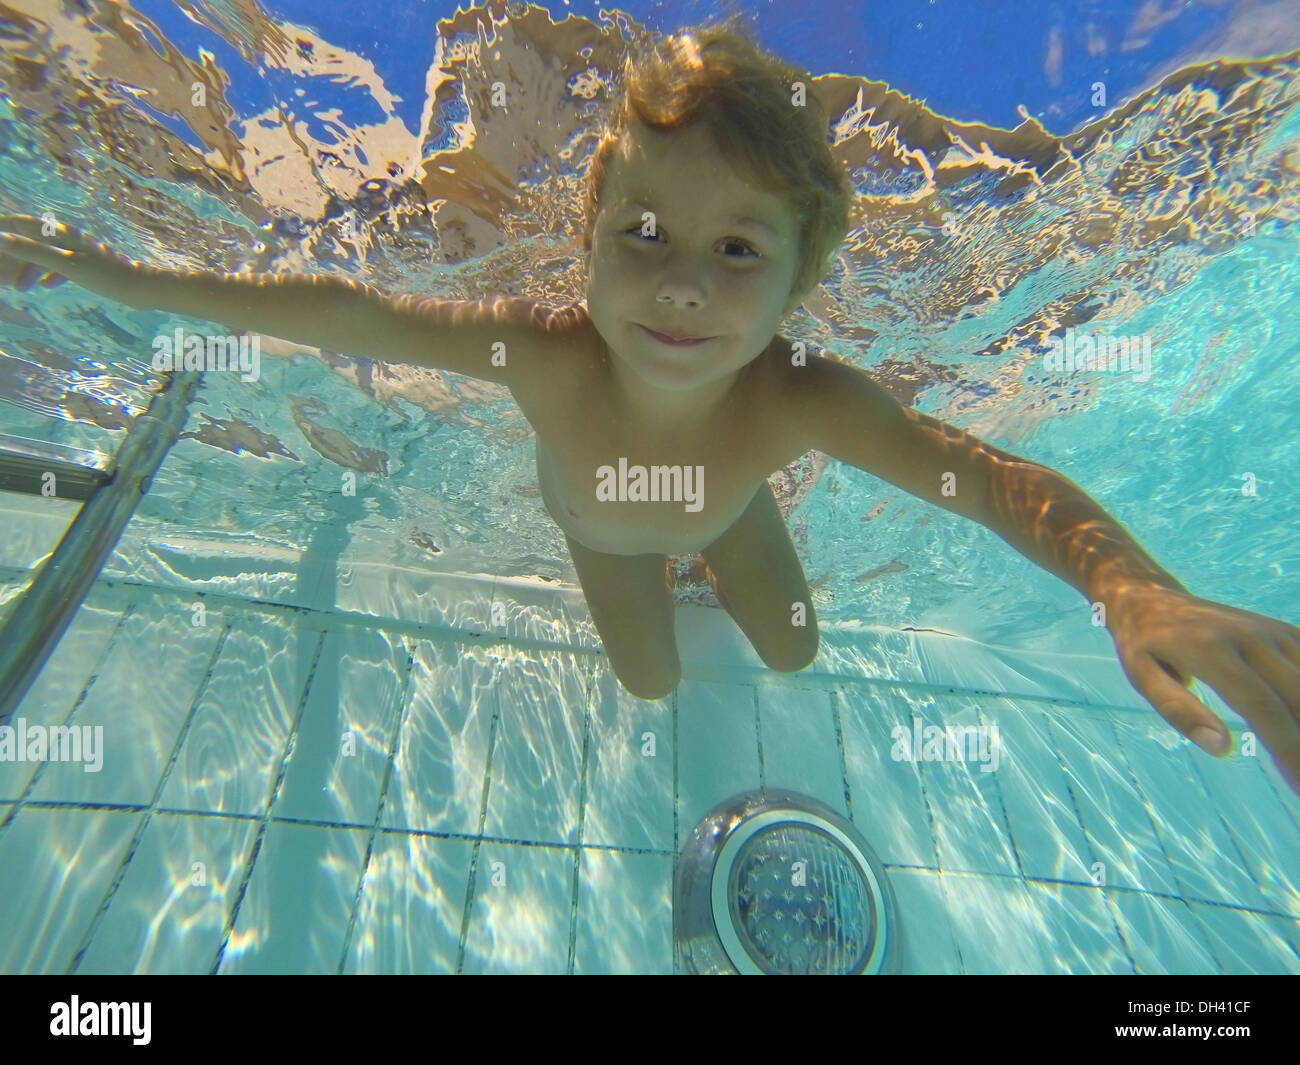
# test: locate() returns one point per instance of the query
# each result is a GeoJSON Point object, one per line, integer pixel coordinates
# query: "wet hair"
{"type": "Point", "coordinates": [717, 77]}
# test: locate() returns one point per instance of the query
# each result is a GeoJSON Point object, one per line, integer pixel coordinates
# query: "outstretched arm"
{"type": "Point", "coordinates": [495, 339]}
{"type": "Point", "coordinates": [1164, 636]}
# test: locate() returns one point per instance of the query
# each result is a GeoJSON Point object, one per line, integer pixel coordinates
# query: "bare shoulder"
{"type": "Point", "coordinates": [799, 395]}
{"type": "Point", "coordinates": [560, 342]}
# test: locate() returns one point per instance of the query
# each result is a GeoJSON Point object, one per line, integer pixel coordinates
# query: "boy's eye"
{"type": "Point", "coordinates": [741, 244]}
{"type": "Point", "coordinates": [729, 242]}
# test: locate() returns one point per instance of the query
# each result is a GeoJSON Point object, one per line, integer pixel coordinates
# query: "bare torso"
{"type": "Point", "coordinates": [579, 429]}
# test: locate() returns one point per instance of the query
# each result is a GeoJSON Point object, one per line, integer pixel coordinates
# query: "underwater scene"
{"type": "Point", "coordinates": [426, 548]}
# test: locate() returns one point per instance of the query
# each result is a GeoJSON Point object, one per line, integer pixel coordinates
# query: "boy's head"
{"type": "Point", "coordinates": [709, 130]}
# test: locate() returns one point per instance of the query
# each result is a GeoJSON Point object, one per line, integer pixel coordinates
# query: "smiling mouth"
{"type": "Point", "coordinates": [676, 342]}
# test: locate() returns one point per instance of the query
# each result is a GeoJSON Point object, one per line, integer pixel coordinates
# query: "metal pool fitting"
{"type": "Point", "coordinates": [776, 882]}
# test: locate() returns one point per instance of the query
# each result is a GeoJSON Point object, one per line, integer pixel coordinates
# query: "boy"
{"type": "Point", "coordinates": [714, 206]}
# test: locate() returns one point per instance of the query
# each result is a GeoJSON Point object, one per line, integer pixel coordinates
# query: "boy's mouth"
{"type": "Point", "coordinates": [677, 340]}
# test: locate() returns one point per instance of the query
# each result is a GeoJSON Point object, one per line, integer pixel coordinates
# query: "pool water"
{"type": "Point", "coordinates": [376, 732]}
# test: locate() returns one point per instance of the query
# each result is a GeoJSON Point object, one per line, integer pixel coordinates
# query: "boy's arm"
{"type": "Point", "coordinates": [1038, 511]}
{"type": "Point", "coordinates": [1164, 637]}
{"type": "Point", "coordinates": [495, 339]}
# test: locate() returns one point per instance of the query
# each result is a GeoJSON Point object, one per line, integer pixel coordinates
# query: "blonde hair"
{"type": "Point", "coordinates": [720, 78]}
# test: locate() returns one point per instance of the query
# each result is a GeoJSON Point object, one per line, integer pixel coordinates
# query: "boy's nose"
{"type": "Point", "coordinates": [681, 292]}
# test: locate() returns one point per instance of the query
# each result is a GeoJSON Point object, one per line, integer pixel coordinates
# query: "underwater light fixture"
{"type": "Point", "coordinates": [773, 882]}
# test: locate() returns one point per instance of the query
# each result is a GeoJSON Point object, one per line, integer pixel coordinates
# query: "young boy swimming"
{"type": "Point", "coordinates": [714, 206]}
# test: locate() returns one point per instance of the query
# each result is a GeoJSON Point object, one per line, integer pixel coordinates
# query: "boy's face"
{"type": "Point", "coordinates": [703, 273]}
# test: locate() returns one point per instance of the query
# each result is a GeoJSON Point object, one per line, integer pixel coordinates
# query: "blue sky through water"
{"type": "Point", "coordinates": [976, 60]}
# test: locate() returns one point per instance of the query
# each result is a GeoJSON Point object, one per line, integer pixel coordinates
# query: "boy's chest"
{"type": "Point", "coordinates": [624, 494]}
{"type": "Point", "coordinates": [616, 497]}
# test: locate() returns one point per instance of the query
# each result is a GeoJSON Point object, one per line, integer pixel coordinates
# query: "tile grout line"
{"type": "Point", "coordinates": [938, 861]}
{"type": "Point", "coordinates": [482, 820]}
{"type": "Point", "coordinates": [838, 723]}
{"type": "Point", "coordinates": [1045, 881]}
{"type": "Point", "coordinates": [436, 631]}
{"type": "Point", "coordinates": [1112, 909]}
{"type": "Point", "coordinates": [582, 819]}
{"type": "Point", "coordinates": [1002, 803]}
{"type": "Point", "coordinates": [264, 818]}
{"type": "Point", "coordinates": [379, 809]}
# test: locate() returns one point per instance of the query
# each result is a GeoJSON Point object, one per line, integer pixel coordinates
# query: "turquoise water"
{"type": "Point", "coordinates": [389, 694]}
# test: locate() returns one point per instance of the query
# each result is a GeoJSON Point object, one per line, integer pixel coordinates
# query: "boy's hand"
{"type": "Point", "coordinates": [1165, 638]}
{"type": "Point", "coordinates": [32, 250]}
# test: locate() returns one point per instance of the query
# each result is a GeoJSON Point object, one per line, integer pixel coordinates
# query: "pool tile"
{"type": "Point", "coordinates": [522, 910]}
{"type": "Point", "coordinates": [169, 913]}
{"type": "Point", "coordinates": [33, 527]}
{"type": "Point", "coordinates": [1113, 811]}
{"type": "Point", "coordinates": [381, 590]}
{"type": "Point", "coordinates": [295, 914]}
{"type": "Point", "coordinates": [800, 751]}
{"type": "Point", "coordinates": [970, 825]}
{"type": "Point", "coordinates": [1046, 834]}
{"type": "Point", "coordinates": [536, 782]}
{"type": "Point", "coordinates": [1201, 851]}
{"type": "Point", "coordinates": [1077, 931]}
{"type": "Point", "coordinates": [997, 924]}
{"type": "Point", "coordinates": [543, 611]}
{"type": "Point", "coordinates": [411, 907]}
{"type": "Point", "coordinates": [1020, 671]}
{"type": "Point", "coordinates": [927, 946]}
{"type": "Point", "coordinates": [441, 761]}
{"type": "Point", "coordinates": [712, 647]}
{"type": "Point", "coordinates": [625, 914]}
{"type": "Point", "coordinates": [717, 748]}
{"type": "Point", "coordinates": [61, 682]}
{"type": "Point", "coordinates": [1004, 925]}
{"type": "Point", "coordinates": [629, 768]}
{"type": "Point", "coordinates": [888, 800]}
{"type": "Point", "coordinates": [347, 727]}
{"type": "Point", "coordinates": [868, 652]}
{"type": "Point", "coordinates": [1263, 828]}
{"type": "Point", "coordinates": [1163, 935]}
{"type": "Point", "coordinates": [156, 554]}
{"type": "Point", "coordinates": [46, 912]}
{"type": "Point", "coordinates": [1248, 943]}
{"type": "Point", "coordinates": [139, 702]}
{"type": "Point", "coordinates": [238, 734]}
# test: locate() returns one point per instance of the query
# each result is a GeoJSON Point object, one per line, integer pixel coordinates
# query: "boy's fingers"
{"type": "Point", "coordinates": [1177, 705]}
